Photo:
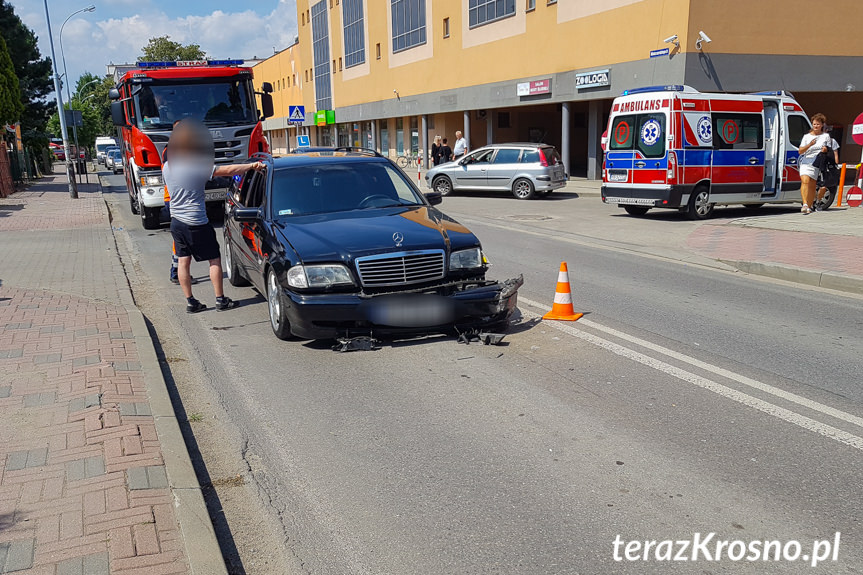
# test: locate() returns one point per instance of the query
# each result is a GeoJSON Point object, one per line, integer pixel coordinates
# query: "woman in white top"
{"type": "Point", "coordinates": [813, 143]}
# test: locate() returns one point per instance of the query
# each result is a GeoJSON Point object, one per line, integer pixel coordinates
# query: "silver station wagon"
{"type": "Point", "coordinates": [526, 170]}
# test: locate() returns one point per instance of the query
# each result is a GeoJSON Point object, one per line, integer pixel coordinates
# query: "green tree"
{"type": "Point", "coordinates": [163, 49]}
{"type": "Point", "coordinates": [93, 91]}
{"type": "Point", "coordinates": [10, 99]}
{"type": "Point", "coordinates": [34, 75]}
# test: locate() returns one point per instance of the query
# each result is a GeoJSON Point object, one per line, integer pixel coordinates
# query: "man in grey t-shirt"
{"type": "Point", "coordinates": [189, 166]}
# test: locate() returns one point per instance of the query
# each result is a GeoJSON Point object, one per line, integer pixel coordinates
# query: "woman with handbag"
{"type": "Point", "coordinates": [812, 144]}
{"type": "Point", "coordinates": [829, 176]}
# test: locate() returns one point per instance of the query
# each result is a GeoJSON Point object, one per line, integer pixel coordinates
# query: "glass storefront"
{"type": "Point", "coordinates": [400, 136]}
{"type": "Point", "coordinates": [385, 139]}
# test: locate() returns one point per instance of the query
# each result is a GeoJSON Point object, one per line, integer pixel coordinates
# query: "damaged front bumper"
{"type": "Point", "coordinates": [459, 305]}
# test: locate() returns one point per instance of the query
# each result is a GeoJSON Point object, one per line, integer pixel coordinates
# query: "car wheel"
{"type": "Point", "coordinates": [825, 202]}
{"type": "Point", "coordinates": [276, 305]}
{"type": "Point", "coordinates": [636, 210]}
{"type": "Point", "coordinates": [235, 276]}
{"type": "Point", "coordinates": [523, 189]}
{"type": "Point", "coordinates": [700, 207]}
{"type": "Point", "coordinates": [442, 185]}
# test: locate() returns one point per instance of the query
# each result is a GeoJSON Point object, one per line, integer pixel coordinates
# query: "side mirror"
{"type": "Point", "coordinates": [434, 198]}
{"type": "Point", "coordinates": [114, 94]}
{"type": "Point", "coordinates": [247, 214]}
{"type": "Point", "coordinates": [267, 88]}
{"type": "Point", "coordinates": [118, 115]}
{"type": "Point", "coordinates": [267, 105]}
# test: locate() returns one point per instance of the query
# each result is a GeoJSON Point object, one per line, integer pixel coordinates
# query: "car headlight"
{"type": "Point", "coordinates": [151, 180]}
{"type": "Point", "coordinates": [466, 259]}
{"type": "Point", "coordinates": [319, 276]}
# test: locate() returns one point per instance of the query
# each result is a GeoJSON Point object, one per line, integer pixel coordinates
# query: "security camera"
{"type": "Point", "coordinates": [672, 40]}
{"type": "Point", "coordinates": [702, 37]}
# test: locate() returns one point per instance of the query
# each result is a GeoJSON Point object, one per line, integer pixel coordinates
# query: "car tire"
{"type": "Point", "coordinates": [276, 307]}
{"type": "Point", "coordinates": [523, 189]}
{"type": "Point", "coordinates": [235, 276]}
{"type": "Point", "coordinates": [699, 207]}
{"type": "Point", "coordinates": [828, 199]}
{"type": "Point", "coordinates": [442, 185]}
{"type": "Point", "coordinates": [636, 210]}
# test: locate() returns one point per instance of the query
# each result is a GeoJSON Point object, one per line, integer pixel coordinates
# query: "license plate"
{"type": "Point", "coordinates": [631, 201]}
{"type": "Point", "coordinates": [411, 311]}
{"type": "Point", "coordinates": [617, 175]}
{"type": "Point", "coordinates": [215, 195]}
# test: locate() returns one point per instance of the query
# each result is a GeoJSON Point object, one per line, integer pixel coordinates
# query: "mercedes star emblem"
{"type": "Point", "coordinates": [398, 238]}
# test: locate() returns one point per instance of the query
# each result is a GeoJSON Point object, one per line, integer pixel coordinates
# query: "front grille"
{"type": "Point", "coordinates": [401, 268]}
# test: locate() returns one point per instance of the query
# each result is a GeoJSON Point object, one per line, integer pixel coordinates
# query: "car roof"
{"type": "Point", "coordinates": [519, 145]}
{"type": "Point", "coordinates": [321, 155]}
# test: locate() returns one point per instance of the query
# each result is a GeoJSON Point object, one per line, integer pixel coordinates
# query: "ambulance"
{"type": "Point", "coordinates": [675, 147]}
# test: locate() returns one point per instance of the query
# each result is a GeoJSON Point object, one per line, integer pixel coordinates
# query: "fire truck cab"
{"type": "Point", "coordinates": [675, 147]}
{"type": "Point", "coordinates": [149, 100]}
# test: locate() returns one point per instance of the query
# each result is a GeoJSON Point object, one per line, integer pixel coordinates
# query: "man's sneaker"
{"type": "Point", "coordinates": [194, 306]}
{"type": "Point", "coordinates": [225, 303]}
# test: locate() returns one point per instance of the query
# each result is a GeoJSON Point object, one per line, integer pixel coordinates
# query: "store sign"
{"type": "Point", "coordinates": [325, 117]}
{"type": "Point", "coordinates": [594, 79]}
{"type": "Point", "coordinates": [534, 87]}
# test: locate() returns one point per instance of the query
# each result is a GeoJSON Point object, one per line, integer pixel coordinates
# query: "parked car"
{"type": "Point", "coordinates": [343, 243]}
{"type": "Point", "coordinates": [523, 169]}
{"type": "Point", "coordinates": [115, 159]}
{"type": "Point", "coordinates": [109, 158]}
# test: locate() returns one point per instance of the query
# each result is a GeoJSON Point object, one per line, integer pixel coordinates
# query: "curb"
{"type": "Point", "coordinates": [823, 279]}
{"type": "Point", "coordinates": [199, 537]}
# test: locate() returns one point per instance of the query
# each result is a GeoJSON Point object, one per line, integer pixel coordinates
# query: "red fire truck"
{"type": "Point", "coordinates": [148, 101]}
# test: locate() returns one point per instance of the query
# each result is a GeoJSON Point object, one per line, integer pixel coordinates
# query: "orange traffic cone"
{"type": "Point", "coordinates": [562, 308]}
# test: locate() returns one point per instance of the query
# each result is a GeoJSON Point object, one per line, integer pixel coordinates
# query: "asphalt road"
{"type": "Point", "coordinates": [689, 400]}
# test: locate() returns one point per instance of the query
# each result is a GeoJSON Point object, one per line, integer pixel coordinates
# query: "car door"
{"type": "Point", "coordinates": [796, 125]}
{"type": "Point", "coordinates": [503, 168]}
{"type": "Point", "coordinates": [472, 171]}
{"type": "Point", "coordinates": [241, 233]}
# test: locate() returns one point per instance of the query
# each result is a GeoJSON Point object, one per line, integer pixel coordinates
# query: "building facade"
{"type": "Point", "coordinates": [395, 73]}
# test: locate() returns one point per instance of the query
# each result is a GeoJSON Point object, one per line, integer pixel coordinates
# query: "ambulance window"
{"type": "Point", "coordinates": [798, 126]}
{"type": "Point", "coordinates": [738, 131]}
{"type": "Point", "coordinates": [651, 135]}
{"type": "Point", "coordinates": [622, 130]}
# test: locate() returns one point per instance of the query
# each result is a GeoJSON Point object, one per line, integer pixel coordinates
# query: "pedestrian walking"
{"type": "Point", "coordinates": [435, 151]}
{"type": "Point", "coordinates": [445, 152]}
{"type": "Point", "coordinates": [460, 147]}
{"type": "Point", "coordinates": [812, 144]}
{"type": "Point", "coordinates": [186, 172]}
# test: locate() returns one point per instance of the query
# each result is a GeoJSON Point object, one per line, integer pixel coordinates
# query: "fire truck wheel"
{"type": "Point", "coordinates": [700, 207]}
{"type": "Point", "coordinates": [133, 205]}
{"type": "Point", "coordinates": [636, 210]}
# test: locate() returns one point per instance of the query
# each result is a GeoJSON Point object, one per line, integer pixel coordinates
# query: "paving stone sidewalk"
{"type": "Point", "coordinates": [83, 484]}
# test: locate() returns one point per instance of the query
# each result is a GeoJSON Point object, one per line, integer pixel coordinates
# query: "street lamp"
{"type": "Point", "coordinates": [89, 8]}
{"type": "Point", "coordinates": [78, 91]}
{"type": "Point", "coordinates": [58, 93]}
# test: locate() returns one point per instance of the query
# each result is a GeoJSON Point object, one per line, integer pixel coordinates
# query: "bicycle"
{"type": "Point", "coordinates": [406, 160]}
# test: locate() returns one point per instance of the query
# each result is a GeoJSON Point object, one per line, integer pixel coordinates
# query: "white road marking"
{"type": "Point", "coordinates": [735, 395]}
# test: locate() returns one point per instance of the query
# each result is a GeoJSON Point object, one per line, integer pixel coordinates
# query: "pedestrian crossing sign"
{"type": "Point", "coordinates": [296, 114]}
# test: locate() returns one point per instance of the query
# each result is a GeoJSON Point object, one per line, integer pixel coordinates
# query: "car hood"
{"type": "Point", "coordinates": [344, 236]}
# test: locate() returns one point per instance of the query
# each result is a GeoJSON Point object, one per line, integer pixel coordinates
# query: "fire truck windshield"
{"type": "Point", "coordinates": [216, 102]}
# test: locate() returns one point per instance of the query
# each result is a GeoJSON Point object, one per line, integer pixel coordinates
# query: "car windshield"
{"type": "Point", "coordinates": [219, 102]}
{"type": "Point", "coordinates": [104, 147]}
{"type": "Point", "coordinates": [339, 187]}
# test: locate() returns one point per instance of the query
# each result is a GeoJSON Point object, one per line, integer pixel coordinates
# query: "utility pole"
{"type": "Point", "coordinates": [61, 112]}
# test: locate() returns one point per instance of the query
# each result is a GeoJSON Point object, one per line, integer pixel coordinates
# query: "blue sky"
{"type": "Point", "coordinates": [117, 29]}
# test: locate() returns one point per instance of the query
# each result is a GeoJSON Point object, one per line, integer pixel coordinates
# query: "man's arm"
{"type": "Point", "coordinates": [234, 169]}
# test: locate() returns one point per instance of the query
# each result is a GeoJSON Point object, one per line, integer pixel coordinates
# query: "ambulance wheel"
{"type": "Point", "coordinates": [700, 207]}
{"type": "Point", "coordinates": [636, 210]}
{"type": "Point", "coordinates": [235, 276]}
{"type": "Point", "coordinates": [523, 189]}
{"type": "Point", "coordinates": [827, 200]}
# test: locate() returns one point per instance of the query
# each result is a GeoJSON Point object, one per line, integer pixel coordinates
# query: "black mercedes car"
{"type": "Point", "coordinates": [342, 244]}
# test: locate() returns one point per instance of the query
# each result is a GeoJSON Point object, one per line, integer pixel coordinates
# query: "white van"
{"type": "Point", "coordinates": [102, 144]}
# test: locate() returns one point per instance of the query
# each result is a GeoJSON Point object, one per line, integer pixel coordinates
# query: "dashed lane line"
{"type": "Point", "coordinates": [782, 413]}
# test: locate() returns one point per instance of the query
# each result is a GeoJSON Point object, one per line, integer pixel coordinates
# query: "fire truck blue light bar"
{"type": "Point", "coordinates": [188, 63]}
